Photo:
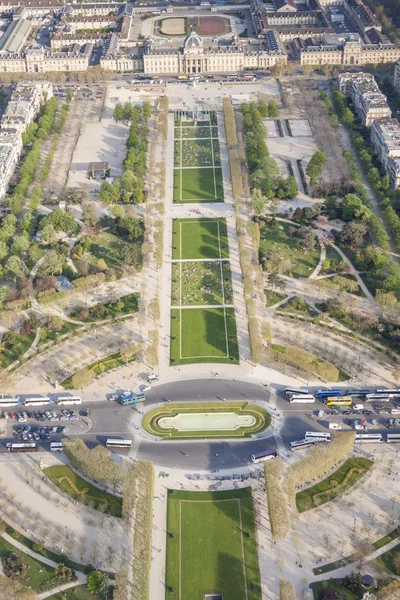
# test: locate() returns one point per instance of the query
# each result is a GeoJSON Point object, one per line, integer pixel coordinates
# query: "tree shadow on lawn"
{"type": "Point", "coordinates": [216, 336]}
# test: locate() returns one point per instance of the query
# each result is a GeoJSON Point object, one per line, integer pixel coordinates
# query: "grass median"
{"type": "Point", "coordinates": [82, 491]}
{"type": "Point", "coordinates": [334, 485]}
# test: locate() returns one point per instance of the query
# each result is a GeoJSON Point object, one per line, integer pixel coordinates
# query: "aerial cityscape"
{"type": "Point", "coordinates": [200, 300]}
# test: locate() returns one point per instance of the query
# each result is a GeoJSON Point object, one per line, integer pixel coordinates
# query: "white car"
{"type": "Point", "coordinates": [145, 387]}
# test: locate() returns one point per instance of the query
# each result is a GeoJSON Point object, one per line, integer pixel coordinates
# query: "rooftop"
{"type": "Point", "coordinates": [14, 37]}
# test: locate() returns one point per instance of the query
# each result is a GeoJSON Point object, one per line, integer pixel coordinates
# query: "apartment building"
{"type": "Point", "coordinates": [396, 78]}
{"type": "Point", "coordinates": [385, 138]}
{"type": "Point", "coordinates": [369, 103]}
{"type": "Point", "coordinates": [24, 105]}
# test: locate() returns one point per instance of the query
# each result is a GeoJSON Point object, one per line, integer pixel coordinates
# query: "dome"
{"type": "Point", "coordinates": [193, 42]}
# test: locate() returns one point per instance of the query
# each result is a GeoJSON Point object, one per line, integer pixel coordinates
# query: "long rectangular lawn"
{"type": "Point", "coordinates": [208, 335]}
{"type": "Point", "coordinates": [199, 238]}
{"type": "Point", "coordinates": [219, 558]}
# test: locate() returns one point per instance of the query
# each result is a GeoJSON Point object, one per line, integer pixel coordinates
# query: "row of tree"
{"type": "Point", "coordinates": [130, 188]}
{"type": "Point", "coordinates": [264, 170]}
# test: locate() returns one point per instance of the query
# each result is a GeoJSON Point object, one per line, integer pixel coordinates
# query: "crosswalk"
{"type": "Point", "coordinates": [133, 452]}
{"type": "Point", "coordinates": [280, 444]}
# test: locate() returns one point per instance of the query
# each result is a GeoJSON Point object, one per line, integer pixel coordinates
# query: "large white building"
{"type": "Point", "coordinates": [385, 138]}
{"type": "Point", "coordinates": [23, 107]}
{"type": "Point", "coordinates": [396, 78]}
{"type": "Point", "coordinates": [368, 101]}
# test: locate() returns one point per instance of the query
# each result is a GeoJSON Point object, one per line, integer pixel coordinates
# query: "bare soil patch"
{"type": "Point", "coordinates": [213, 26]}
{"type": "Point", "coordinates": [173, 27]}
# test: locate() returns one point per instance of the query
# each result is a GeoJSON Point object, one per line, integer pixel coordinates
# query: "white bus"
{"type": "Point", "coordinates": [393, 438]}
{"type": "Point", "coordinates": [113, 443]}
{"type": "Point", "coordinates": [302, 399]}
{"type": "Point", "coordinates": [294, 392]}
{"type": "Point", "coordinates": [365, 438]}
{"type": "Point", "coordinates": [4, 402]}
{"type": "Point", "coordinates": [319, 436]}
{"type": "Point", "coordinates": [263, 456]}
{"type": "Point", "coordinates": [37, 401]}
{"type": "Point", "coordinates": [56, 447]}
{"type": "Point", "coordinates": [22, 446]}
{"type": "Point", "coordinates": [376, 397]}
{"type": "Point", "coordinates": [300, 444]}
{"type": "Point", "coordinates": [387, 391]}
{"type": "Point", "coordinates": [69, 400]}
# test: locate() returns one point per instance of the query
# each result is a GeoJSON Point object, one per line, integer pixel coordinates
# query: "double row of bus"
{"type": "Point", "coordinates": [58, 446]}
{"type": "Point", "coordinates": [8, 401]}
{"type": "Point", "coordinates": [339, 397]}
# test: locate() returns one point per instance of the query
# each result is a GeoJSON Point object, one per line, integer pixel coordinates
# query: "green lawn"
{"type": "Point", "coordinates": [219, 558]}
{"type": "Point", "coordinates": [101, 500]}
{"type": "Point", "coordinates": [55, 335]}
{"type": "Point", "coordinates": [9, 355]}
{"type": "Point", "coordinates": [386, 562]}
{"type": "Point", "coordinates": [273, 297]}
{"type": "Point", "coordinates": [283, 249]}
{"type": "Point", "coordinates": [334, 485]}
{"type": "Point", "coordinates": [80, 592]}
{"type": "Point", "coordinates": [99, 367]}
{"type": "Point", "coordinates": [338, 586]}
{"type": "Point", "coordinates": [108, 247]}
{"type": "Point", "coordinates": [124, 305]}
{"type": "Point", "coordinates": [198, 185]}
{"type": "Point", "coordinates": [37, 579]}
{"type": "Point", "coordinates": [261, 416]}
{"type": "Point", "coordinates": [199, 238]}
{"type": "Point", "coordinates": [207, 336]}
{"type": "Point", "coordinates": [201, 283]}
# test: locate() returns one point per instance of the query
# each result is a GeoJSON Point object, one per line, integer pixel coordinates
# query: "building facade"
{"type": "Point", "coordinates": [385, 138]}
{"type": "Point", "coordinates": [396, 77]}
{"type": "Point", "coordinates": [349, 53]}
{"type": "Point", "coordinates": [368, 101]}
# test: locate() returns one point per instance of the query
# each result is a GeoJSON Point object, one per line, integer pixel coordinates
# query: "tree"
{"type": "Point", "coordinates": [327, 595]}
{"type": "Point", "coordinates": [102, 265]}
{"type": "Point", "coordinates": [15, 267]}
{"type": "Point", "coordinates": [61, 220]}
{"type": "Point", "coordinates": [55, 323]}
{"type": "Point", "coordinates": [354, 580]}
{"type": "Point", "coordinates": [53, 263]}
{"type": "Point", "coordinates": [89, 215]}
{"type": "Point", "coordinates": [273, 111]}
{"type": "Point", "coordinates": [291, 187]}
{"type": "Point", "coordinates": [146, 108]}
{"type": "Point", "coordinates": [118, 211]}
{"type": "Point", "coordinates": [336, 308]}
{"type": "Point", "coordinates": [3, 250]}
{"type": "Point", "coordinates": [4, 294]}
{"type": "Point", "coordinates": [258, 201]}
{"type": "Point", "coordinates": [315, 165]}
{"type": "Point", "coordinates": [354, 233]}
{"type": "Point", "coordinates": [14, 565]}
{"type": "Point", "coordinates": [82, 378]}
{"type": "Point", "coordinates": [13, 590]}
{"type": "Point", "coordinates": [118, 112]}
{"type": "Point", "coordinates": [353, 208]}
{"type": "Point", "coordinates": [94, 581]}
{"type": "Point", "coordinates": [307, 238]}
{"type": "Point", "coordinates": [20, 244]}
{"type": "Point", "coordinates": [386, 301]}
{"type": "Point", "coordinates": [129, 352]}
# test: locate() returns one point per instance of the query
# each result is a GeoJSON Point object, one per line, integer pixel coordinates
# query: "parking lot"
{"type": "Point", "coordinates": [26, 425]}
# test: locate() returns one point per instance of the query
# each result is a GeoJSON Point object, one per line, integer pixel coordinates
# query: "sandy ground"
{"type": "Point", "coordinates": [174, 26]}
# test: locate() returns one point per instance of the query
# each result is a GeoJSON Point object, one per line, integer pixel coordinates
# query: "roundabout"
{"type": "Point", "coordinates": [206, 420]}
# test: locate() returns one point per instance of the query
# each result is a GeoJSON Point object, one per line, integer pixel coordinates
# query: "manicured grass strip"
{"type": "Point", "coordinates": [80, 592]}
{"type": "Point", "coordinates": [208, 335]}
{"type": "Point", "coordinates": [99, 367]}
{"type": "Point", "coordinates": [124, 305]}
{"type": "Point", "coordinates": [220, 558]}
{"type": "Point", "coordinates": [386, 539]}
{"type": "Point", "coordinates": [277, 243]}
{"type": "Point", "coordinates": [82, 491]}
{"type": "Point", "coordinates": [334, 485]}
{"type": "Point", "coordinates": [338, 586]}
{"type": "Point", "coordinates": [150, 420]}
{"type": "Point", "coordinates": [198, 184]}
{"type": "Point", "coordinates": [199, 238]}
{"type": "Point", "coordinates": [22, 344]}
{"type": "Point", "coordinates": [37, 580]}
{"type": "Point", "coordinates": [387, 561]}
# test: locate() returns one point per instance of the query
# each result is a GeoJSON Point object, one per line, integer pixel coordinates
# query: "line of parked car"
{"type": "Point", "coordinates": [30, 433]}
{"type": "Point", "coordinates": [38, 415]}
{"type": "Point", "coordinates": [252, 475]}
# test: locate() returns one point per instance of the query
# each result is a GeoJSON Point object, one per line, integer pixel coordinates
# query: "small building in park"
{"type": "Point", "coordinates": [98, 168]}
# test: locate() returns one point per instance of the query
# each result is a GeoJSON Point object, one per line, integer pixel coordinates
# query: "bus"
{"type": "Point", "coordinates": [319, 436]}
{"type": "Point", "coordinates": [302, 399]}
{"type": "Point", "coordinates": [344, 401]}
{"type": "Point", "coordinates": [365, 438]}
{"type": "Point", "coordinates": [130, 397]}
{"type": "Point", "coordinates": [387, 391]}
{"type": "Point", "coordinates": [321, 394]}
{"type": "Point", "coordinates": [393, 438]}
{"type": "Point", "coordinates": [113, 443]}
{"type": "Point", "coordinates": [375, 397]}
{"type": "Point", "coordinates": [357, 393]}
{"type": "Point", "coordinates": [262, 456]}
{"type": "Point", "coordinates": [183, 77]}
{"type": "Point", "coordinates": [295, 392]}
{"type": "Point", "coordinates": [56, 446]}
{"type": "Point", "coordinates": [300, 444]}
{"type": "Point", "coordinates": [22, 446]}
{"type": "Point", "coordinates": [249, 76]}
{"type": "Point", "coordinates": [37, 401]}
{"type": "Point", "coordinates": [4, 402]}
{"type": "Point", "coordinates": [69, 400]}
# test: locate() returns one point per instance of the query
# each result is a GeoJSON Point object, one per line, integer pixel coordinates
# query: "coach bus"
{"type": "Point", "coordinates": [56, 447]}
{"type": "Point", "coordinates": [22, 446]}
{"type": "Point", "coordinates": [321, 394]}
{"type": "Point", "coordinates": [344, 401]}
{"type": "Point", "coordinates": [263, 456]}
{"type": "Point", "coordinates": [302, 399]}
{"type": "Point", "coordinates": [69, 400]}
{"type": "Point", "coordinates": [365, 438]}
{"type": "Point", "coordinates": [294, 392]}
{"type": "Point", "coordinates": [358, 393]}
{"type": "Point", "coordinates": [37, 401]}
{"type": "Point", "coordinates": [5, 402]}
{"type": "Point", "coordinates": [393, 438]}
{"type": "Point", "coordinates": [114, 443]}
{"type": "Point", "coordinates": [387, 391]}
{"type": "Point", "coordinates": [319, 436]}
{"type": "Point", "coordinates": [300, 444]}
{"type": "Point", "coordinates": [377, 397]}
